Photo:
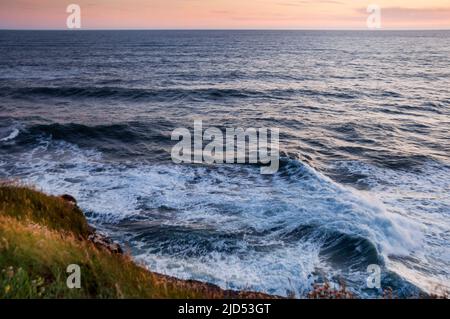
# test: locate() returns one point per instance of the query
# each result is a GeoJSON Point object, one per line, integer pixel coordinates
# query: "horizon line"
{"type": "Point", "coordinates": [225, 29]}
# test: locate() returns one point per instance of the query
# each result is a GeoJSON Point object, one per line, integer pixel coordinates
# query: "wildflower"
{"type": "Point", "coordinates": [7, 288]}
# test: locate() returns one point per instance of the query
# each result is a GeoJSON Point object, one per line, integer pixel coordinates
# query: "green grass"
{"type": "Point", "coordinates": [28, 205]}
{"type": "Point", "coordinates": [41, 235]}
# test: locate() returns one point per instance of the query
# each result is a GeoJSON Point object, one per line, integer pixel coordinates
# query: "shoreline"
{"type": "Point", "coordinates": [41, 234]}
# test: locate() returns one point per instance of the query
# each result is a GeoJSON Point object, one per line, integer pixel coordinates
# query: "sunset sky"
{"type": "Point", "coordinates": [224, 14]}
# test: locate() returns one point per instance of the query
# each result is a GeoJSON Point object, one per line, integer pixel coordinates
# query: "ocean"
{"type": "Point", "coordinates": [364, 174]}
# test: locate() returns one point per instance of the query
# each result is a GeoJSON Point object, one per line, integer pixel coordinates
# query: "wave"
{"type": "Point", "coordinates": [166, 94]}
{"type": "Point", "coordinates": [186, 220]}
{"type": "Point", "coordinates": [429, 206]}
{"type": "Point", "coordinates": [72, 132]}
{"type": "Point", "coordinates": [14, 133]}
{"type": "Point", "coordinates": [125, 93]}
{"type": "Point", "coordinates": [123, 141]}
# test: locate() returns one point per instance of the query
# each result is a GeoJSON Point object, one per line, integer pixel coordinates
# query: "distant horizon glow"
{"type": "Point", "coordinates": [225, 14]}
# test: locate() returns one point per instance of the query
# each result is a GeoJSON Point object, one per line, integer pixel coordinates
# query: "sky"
{"type": "Point", "coordinates": [225, 14]}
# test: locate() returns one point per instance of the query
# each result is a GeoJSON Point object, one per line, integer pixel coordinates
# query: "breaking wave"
{"type": "Point", "coordinates": [195, 222]}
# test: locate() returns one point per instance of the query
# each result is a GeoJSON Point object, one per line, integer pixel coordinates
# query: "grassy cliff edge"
{"type": "Point", "coordinates": [41, 235]}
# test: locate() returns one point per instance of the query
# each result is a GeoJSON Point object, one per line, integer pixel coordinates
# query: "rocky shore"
{"type": "Point", "coordinates": [102, 241]}
{"type": "Point", "coordinates": [41, 235]}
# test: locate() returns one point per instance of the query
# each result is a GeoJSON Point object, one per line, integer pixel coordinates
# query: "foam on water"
{"type": "Point", "coordinates": [12, 135]}
{"type": "Point", "coordinates": [278, 272]}
{"type": "Point", "coordinates": [422, 196]}
{"type": "Point", "coordinates": [254, 213]}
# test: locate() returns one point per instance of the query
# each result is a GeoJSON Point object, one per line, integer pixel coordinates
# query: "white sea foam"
{"type": "Point", "coordinates": [421, 197]}
{"type": "Point", "coordinates": [14, 133]}
{"type": "Point", "coordinates": [228, 199]}
{"type": "Point", "coordinates": [275, 272]}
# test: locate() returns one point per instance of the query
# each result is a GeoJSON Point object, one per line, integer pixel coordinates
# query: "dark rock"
{"type": "Point", "coordinates": [69, 199]}
{"type": "Point", "coordinates": [102, 241]}
{"type": "Point", "coordinates": [91, 229]}
{"type": "Point", "coordinates": [98, 239]}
